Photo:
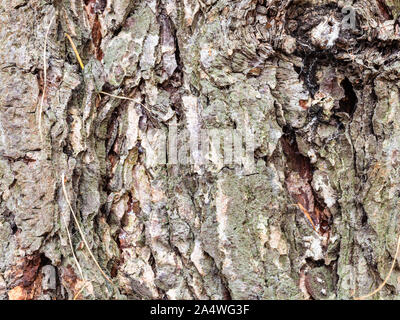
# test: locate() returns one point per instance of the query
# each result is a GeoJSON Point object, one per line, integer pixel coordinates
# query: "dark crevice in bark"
{"type": "Point", "coordinates": [25, 159]}
{"type": "Point", "coordinates": [374, 99]}
{"type": "Point", "coordinates": [308, 73]}
{"type": "Point", "coordinates": [349, 103]}
{"type": "Point", "coordinates": [21, 5]}
{"type": "Point", "coordinates": [364, 217]}
{"type": "Point", "coordinates": [315, 263]}
{"type": "Point", "coordinates": [296, 161]}
{"type": "Point", "coordinates": [113, 266]}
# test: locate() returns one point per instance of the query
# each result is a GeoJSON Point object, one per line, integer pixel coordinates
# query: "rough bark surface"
{"type": "Point", "coordinates": [322, 101]}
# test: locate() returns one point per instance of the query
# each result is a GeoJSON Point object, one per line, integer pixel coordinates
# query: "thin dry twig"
{"type": "Point", "coordinates": [80, 230]}
{"type": "Point", "coordinates": [387, 277]}
{"type": "Point", "coordinates": [44, 79]}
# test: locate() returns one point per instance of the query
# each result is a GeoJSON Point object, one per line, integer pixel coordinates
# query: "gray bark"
{"type": "Point", "coordinates": [317, 215]}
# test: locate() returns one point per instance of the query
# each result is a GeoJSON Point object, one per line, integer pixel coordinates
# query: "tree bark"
{"type": "Point", "coordinates": [309, 212]}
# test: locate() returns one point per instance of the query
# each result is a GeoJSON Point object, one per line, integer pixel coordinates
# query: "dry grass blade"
{"type": "Point", "coordinates": [80, 230]}
{"type": "Point", "coordinates": [81, 289]}
{"type": "Point", "coordinates": [102, 92]}
{"type": "Point", "coordinates": [307, 215]}
{"type": "Point", "coordinates": [118, 97]}
{"type": "Point", "coordinates": [75, 258]}
{"type": "Point", "coordinates": [75, 51]}
{"type": "Point", "coordinates": [387, 277]}
{"type": "Point", "coordinates": [44, 80]}
{"type": "Point", "coordinates": [123, 98]}
{"type": "Point", "coordinates": [72, 248]}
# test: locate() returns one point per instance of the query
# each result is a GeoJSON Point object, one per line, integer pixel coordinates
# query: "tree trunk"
{"type": "Point", "coordinates": [209, 149]}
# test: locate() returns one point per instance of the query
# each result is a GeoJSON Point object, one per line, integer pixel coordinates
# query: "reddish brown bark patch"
{"type": "Point", "coordinates": [69, 279]}
{"type": "Point", "coordinates": [32, 292]}
{"type": "Point", "coordinates": [298, 183]}
{"type": "Point", "coordinates": [303, 104]}
{"type": "Point", "coordinates": [384, 9]}
{"type": "Point", "coordinates": [93, 8]}
{"type": "Point", "coordinates": [96, 38]}
{"type": "Point", "coordinates": [27, 279]}
{"type": "Point", "coordinates": [296, 161]}
{"type": "Point", "coordinates": [30, 270]}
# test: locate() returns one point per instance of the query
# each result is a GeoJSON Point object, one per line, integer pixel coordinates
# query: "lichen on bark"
{"type": "Point", "coordinates": [310, 213]}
